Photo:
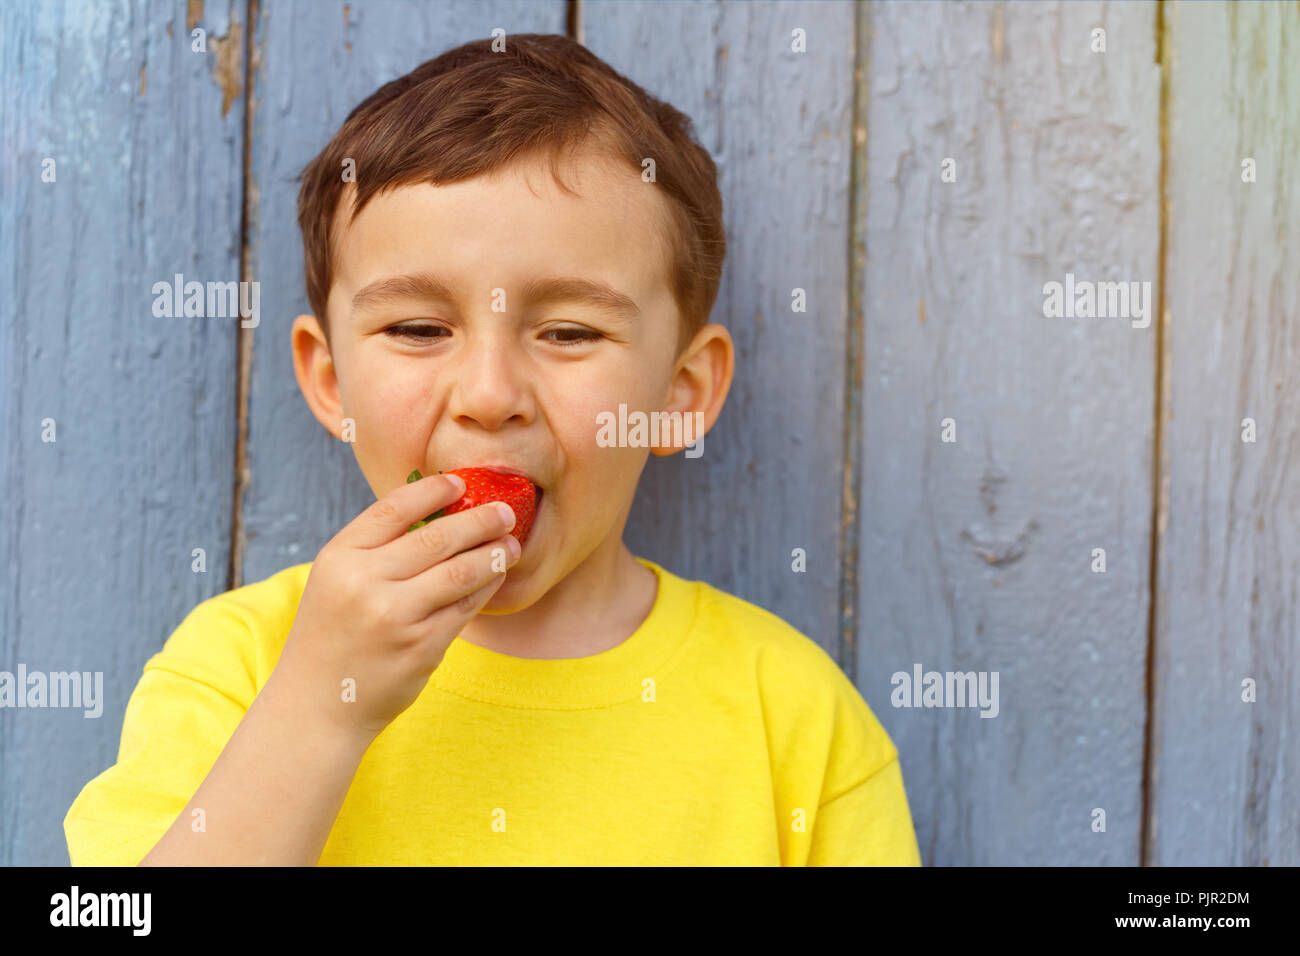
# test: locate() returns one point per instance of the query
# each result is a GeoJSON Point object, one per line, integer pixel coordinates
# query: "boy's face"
{"type": "Point", "coordinates": [501, 373]}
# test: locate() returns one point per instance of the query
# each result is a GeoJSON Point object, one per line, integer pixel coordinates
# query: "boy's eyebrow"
{"type": "Point", "coordinates": [426, 285]}
{"type": "Point", "coordinates": [575, 289]}
{"type": "Point", "coordinates": [418, 285]}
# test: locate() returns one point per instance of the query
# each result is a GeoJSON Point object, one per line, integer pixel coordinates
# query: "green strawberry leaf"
{"type": "Point", "coordinates": [416, 476]}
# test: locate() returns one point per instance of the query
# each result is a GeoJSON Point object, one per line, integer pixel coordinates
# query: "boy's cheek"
{"type": "Point", "coordinates": [598, 482]}
{"type": "Point", "coordinates": [384, 444]}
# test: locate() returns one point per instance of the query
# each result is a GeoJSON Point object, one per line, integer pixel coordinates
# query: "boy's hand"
{"type": "Point", "coordinates": [381, 606]}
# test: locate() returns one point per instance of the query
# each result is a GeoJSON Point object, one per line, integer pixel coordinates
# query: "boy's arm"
{"type": "Point", "coordinates": [867, 825]}
{"type": "Point", "coordinates": [272, 796]}
{"type": "Point", "coordinates": [197, 735]}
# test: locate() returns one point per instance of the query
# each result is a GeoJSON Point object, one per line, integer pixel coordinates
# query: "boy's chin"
{"type": "Point", "coordinates": [515, 594]}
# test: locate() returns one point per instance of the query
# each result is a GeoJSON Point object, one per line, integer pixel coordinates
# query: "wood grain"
{"type": "Point", "coordinates": [976, 553]}
{"type": "Point", "coordinates": [971, 556]}
{"type": "Point", "coordinates": [99, 525]}
{"type": "Point", "coordinates": [1225, 779]}
{"type": "Point", "coordinates": [778, 125]}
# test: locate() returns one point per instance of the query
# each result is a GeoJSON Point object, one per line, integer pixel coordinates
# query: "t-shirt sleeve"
{"type": "Point", "coordinates": [862, 816]}
{"type": "Point", "coordinates": [188, 702]}
{"type": "Point", "coordinates": [867, 825]}
{"type": "Point", "coordinates": [837, 783]}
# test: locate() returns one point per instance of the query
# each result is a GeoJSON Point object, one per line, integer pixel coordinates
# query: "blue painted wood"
{"type": "Point", "coordinates": [777, 124]}
{"type": "Point", "coordinates": [976, 554]}
{"type": "Point", "coordinates": [1225, 772]}
{"type": "Point", "coordinates": [972, 556]}
{"type": "Point", "coordinates": [98, 526]}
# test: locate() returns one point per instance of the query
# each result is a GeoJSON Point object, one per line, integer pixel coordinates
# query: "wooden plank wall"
{"type": "Point", "coordinates": [1225, 776]}
{"type": "Point", "coordinates": [925, 303]}
{"type": "Point", "coordinates": [975, 553]}
{"type": "Point", "coordinates": [777, 124]}
{"type": "Point", "coordinates": [99, 525]}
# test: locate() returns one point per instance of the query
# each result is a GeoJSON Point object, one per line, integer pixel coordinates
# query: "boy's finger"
{"type": "Point", "coordinates": [433, 646]}
{"type": "Point", "coordinates": [390, 517]}
{"type": "Point", "coordinates": [456, 584]}
{"type": "Point", "coordinates": [441, 538]}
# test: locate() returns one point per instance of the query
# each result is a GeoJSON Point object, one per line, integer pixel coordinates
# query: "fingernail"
{"type": "Point", "coordinates": [457, 482]}
{"type": "Point", "coordinates": [508, 513]}
{"type": "Point", "coordinates": [513, 545]}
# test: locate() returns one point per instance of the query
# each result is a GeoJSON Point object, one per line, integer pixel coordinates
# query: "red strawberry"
{"type": "Point", "coordinates": [483, 485]}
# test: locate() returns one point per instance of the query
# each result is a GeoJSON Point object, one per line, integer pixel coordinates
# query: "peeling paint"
{"type": "Point", "coordinates": [995, 549]}
{"type": "Point", "coordinates": [144, 81]}
{"type": "Point", "coordinates": [1166, 400]}
{"type": "Point", "coordinates": [193, 14]}
{"type": "Point", "coordinates": [920, 312]}
{"type": "Point", "coordinates": [997, 33]}
{"type": "Point", "coordinates": [846, 654]}
{"type": "Point", "coordinates": [347, 39]}
{"type": "Point", "coordinates": [1001, 552]}
{"type": "Point", "coordinates": [228, 69]}
{"type": "Point", "coordinates": [990, 485]}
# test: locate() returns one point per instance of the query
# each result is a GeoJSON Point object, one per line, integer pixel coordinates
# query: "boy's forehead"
{"type": "Point", "coordinates": [509, 226]}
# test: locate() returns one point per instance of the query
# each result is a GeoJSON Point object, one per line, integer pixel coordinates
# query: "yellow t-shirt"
{"type": "Point", "coordinates": [716, 734]}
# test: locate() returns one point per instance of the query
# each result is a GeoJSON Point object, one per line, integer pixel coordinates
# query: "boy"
{"type": "Point", "coordinates": [596, 708]}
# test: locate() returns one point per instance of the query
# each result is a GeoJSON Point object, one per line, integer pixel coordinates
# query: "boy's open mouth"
{"type": "Point", "coordinates": [485, 483]}
{"type": "Point", "coordinates": [538, 490]}
{"type": "Point", "coordinates": [538, 494]}
{"type": "Point", "coordinates": [523, 529]}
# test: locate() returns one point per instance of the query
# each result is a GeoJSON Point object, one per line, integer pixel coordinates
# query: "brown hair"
{"type": "Point", "coordinates": [471, 111]}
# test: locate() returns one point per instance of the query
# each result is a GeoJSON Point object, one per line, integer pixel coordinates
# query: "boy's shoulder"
{"type": "Point", "coordinates": [270, 596]}
{"type": "Point", "coordinates": [739, 627]}
{"type": "Point", "coordinates": [242, 630]}
{"type": "Point", "coordinates": [812, 711]}
{"type": "Point", "coordinates": [259, 605]}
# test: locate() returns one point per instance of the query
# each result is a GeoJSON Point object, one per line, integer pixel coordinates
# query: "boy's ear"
{"type": "Point", "coordinates": [314, 368]}
{"type": "Point", "coordinates": [702, 380]}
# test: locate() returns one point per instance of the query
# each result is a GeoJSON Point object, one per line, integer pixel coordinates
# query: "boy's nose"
{"type": "Point", "coordinates": [489, 385]}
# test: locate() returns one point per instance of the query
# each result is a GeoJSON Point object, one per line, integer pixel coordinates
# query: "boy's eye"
{"type": "Point", "coordinates": [564, 336]}
{"type": "Point", "coordinates": [414, 331]}
{"type": "Point", "coordinates": [573, 336]}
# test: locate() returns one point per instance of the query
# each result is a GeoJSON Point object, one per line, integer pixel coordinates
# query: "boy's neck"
{"type": "Point", "coordinates": [595, 607]}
